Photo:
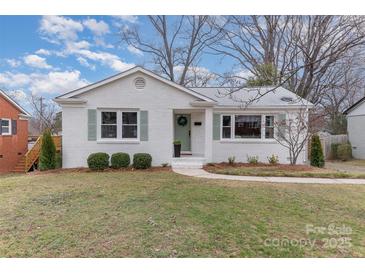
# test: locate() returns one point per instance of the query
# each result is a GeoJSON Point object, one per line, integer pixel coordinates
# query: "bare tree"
{"type": "Point", "coordinates": [302, 49]}
{"type": "Point", "coordinates": [176, 45]}
{"type": "Point", "coordinates": [44, 114]}
{"type": "Point", "coordinates": [293, 133]}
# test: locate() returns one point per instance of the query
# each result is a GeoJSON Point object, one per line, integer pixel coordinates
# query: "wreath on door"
{"type": "Point", "coordinates": [182, 121]}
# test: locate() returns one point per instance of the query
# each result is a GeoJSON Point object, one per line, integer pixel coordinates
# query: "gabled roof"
{"type": "Point", "coordinates": [271, 97]}
{"type": "Point", "coordinates": [358, 103]}
{"type": "Point", "coordinates": [87, 88]}
{"type": "Point", "coordinates": [15, 104]}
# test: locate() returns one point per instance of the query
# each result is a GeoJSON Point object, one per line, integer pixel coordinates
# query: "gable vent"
{"type": "Point", "coordinates": [287, 99]}
{"type": "Point", "coordinates": [140, 83]}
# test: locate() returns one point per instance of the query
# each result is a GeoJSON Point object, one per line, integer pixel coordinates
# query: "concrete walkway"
{"type": "Point", "coordinates": [201, 173]}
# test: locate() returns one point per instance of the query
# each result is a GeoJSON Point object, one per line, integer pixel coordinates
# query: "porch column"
{"type": "Point", "coordinates": [208, 144]}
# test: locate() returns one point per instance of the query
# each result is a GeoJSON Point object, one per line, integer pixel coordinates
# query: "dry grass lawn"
{"type": "Point", "coordinates": [162, 214]}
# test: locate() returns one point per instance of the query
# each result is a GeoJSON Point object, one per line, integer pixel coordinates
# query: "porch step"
{"type": "Point", "coordinates": [188, 162]}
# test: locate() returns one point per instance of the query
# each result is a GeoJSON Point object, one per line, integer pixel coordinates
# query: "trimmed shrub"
{"type": "Point", "coordinates": [120, 159]}
{"type": "Point", "coordinates": [253, 159]}
{"type": "Point", "coordinates": [334, 148]}
{"type": "Point", "coordinates": [273, 159]}
{"type": "Point", "coordinates": [98, 161]}
{"type": "Point", "coordinates": [317, 158]}
{"type": "Point", "coordinates": [47, 158]}
{"type": "Point", "coordinates": [142, 160]}
{"type": "Point", "coordinates": [344, 152]}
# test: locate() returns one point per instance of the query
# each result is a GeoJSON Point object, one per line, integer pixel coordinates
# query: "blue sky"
{"type": "Point", "coordinates": [50, 55]}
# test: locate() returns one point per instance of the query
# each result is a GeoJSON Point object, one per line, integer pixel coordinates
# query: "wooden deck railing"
{"type": "Point", "coordinates": [33, 154]}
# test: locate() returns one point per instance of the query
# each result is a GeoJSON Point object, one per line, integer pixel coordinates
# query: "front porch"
{"type": "Point", "coordinates": [194, 129]}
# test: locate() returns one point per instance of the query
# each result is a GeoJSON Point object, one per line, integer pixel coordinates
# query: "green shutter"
{"type": "Point", "coordinates": [91, 124]}
{"type": "Point", "coordinates": [143, 125]}
{"type": "Point", "coordinates": [216, 126]}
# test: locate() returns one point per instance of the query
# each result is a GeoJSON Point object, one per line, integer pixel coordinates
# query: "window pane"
{"type": "Point", "coordinates": [129, 118]}
{"type": "Point", "coordinates": [226, 121]}
{"type": "Point", "coordinates": [269, 121]}
{"type": "Point", "coordinates": [129, 131]}
{"type": "Point", "coordinates": [226, 133]}
{"type": "Point", "coordinates": [4, 123]}
{"type": "Point", "coordinates": [5, 126]}
{"type": "Point", "coordinates": [108, 131]}
{"type": "Point", "coordinates": [269, 132]}
{"type": "Point", "coordinates": [109, 118]}
{"type": "Point", "coordinates": [247, 126]}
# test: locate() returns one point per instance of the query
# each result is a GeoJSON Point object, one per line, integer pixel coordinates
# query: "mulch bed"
{"type": "Point", "coordinates": [224, 165]}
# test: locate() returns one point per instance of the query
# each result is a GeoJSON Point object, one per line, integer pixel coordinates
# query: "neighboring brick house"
{"type": "Point", "coordinates": [13, 132]}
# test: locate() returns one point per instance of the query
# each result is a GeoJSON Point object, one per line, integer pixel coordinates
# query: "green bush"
{"type": "Point", "coordinates": [231, 160]}
{"type": "Point", "coordinates": [344, 152]}
{"type": "Point", "coordinates": [120, 159]}
{"type": "Point", "coordinates": [58, 160]}
{"type": "Point", "coordinates": [47, 158]}
{"type": "Point", "coordinates": [317, 158]}
{"type": "Point", "coordinates": [142, 160]}
{"type": "Point", "coordinates": [273, 159]}
{"type": "Point", "coordinates": [252, 159]}
{"type": "Point", "coordinates": [98, 161]}
{"type": "Point", "coordinates": [334, 148]}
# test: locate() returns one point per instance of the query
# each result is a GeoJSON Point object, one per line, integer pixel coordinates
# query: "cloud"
{"type": "Point", "coordinates": [13, 62]}
{"type": "Point", "coordinates": [19, 96]}
{"type": "Point", "coordinates": [43, 52]}
{"type": "Point", "coordinates": [128, 18]}
{"type": "Point", "coordinates": [36, 61]}
{"type": "Point", "coordinates": [56, 28]}
{"type": "Point", "coordinates": [85, 63]}
{"type": "Point", "coordinates": [49, 83]}
{"type": "Point", "coordinates": [134, 50]}
{"type": "Point", "coordinates": [98, 28]}
{"type": "Point", "coordinates": [105, 58]}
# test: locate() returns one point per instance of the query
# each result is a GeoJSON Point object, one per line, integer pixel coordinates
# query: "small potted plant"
{"type": "Point", "coordinates": [177, 148]}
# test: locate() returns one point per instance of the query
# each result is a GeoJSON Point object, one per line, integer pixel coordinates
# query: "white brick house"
{"type": "Point", "coordinates": [138, 111]}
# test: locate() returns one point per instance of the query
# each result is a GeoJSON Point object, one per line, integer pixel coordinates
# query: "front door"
{"type": "Point", "coordinates": [182, 131]}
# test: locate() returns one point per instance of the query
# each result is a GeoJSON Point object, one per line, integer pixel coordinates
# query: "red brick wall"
{"type": "Point", "coordinates": [11, 145]}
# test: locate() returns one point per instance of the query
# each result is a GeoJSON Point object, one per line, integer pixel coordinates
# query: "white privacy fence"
{"type": "Point", "coordinates": [327, 140]}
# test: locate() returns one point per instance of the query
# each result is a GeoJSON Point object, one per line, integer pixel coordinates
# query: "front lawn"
{"type": "Point", "coordinates": [268, 170]}
{"type": "Point", "coordinates": [163, 214]}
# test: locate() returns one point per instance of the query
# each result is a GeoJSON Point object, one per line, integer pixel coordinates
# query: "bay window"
{"type": "Point", "coordinates": [226, 126]}
{"type": "Point", "coordinates": [118, 124]}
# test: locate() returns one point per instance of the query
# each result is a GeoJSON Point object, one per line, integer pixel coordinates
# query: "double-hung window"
{"type": "Point", "coordinates": [226, 126]}
{"type": "Point", "coordinates": [109, 126]}
{"type": "Point", "coordinates": [119, 125]}
{"type": "Point", "coordinates": [129, 125]}
{"type": "Point", "coordinates": [5, 127]}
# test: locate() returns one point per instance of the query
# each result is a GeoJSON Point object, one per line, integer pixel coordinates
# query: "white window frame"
{"type": "Point", "coordinates": [119, 137]}
{"type": "Point", "coordinates": [101, 124]}
{"type": "Point", "coordinates": [121, 115]}
{"type": "Point", "coordinates": [9, 127]}
{"type": "Point", "coordinates": [233, 125]}
{"type": "Point", "coordinates": [273, 126]}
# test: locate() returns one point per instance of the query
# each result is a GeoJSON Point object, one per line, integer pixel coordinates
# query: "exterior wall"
{"type": "Point", "coordinates": [157, 98]}
{"type": "Point", "coordinates": [12, 147]}
{"type": "Point", "coordinates": [355, 128]}
{"type": "Point", "coordinates": [263, 148]}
